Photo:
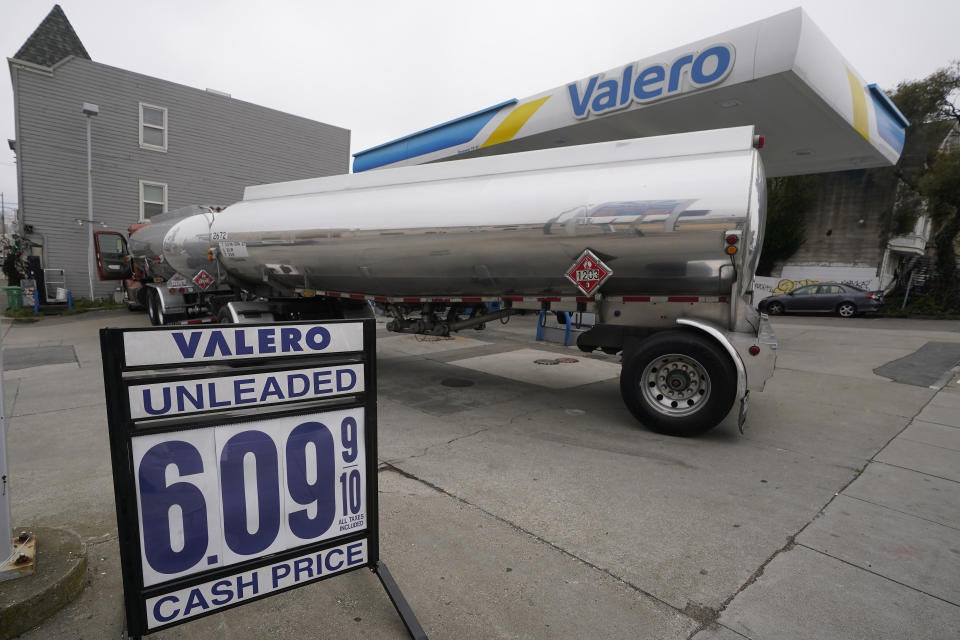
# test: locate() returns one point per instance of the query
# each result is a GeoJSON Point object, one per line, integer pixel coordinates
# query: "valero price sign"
{"type": "Point", "coordinates": [244, 462]}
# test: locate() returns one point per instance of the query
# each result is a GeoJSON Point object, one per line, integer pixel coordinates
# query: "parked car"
{"type": "Point", "coordinates": [830, 297]}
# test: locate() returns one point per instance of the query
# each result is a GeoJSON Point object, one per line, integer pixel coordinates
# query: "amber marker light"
{"type": "Point", "coordinates": [731, 250]}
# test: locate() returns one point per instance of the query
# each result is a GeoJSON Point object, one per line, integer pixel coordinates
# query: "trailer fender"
{"type": "Point", "coordinates": [237, 312]}
{"type": "Point", "coordinates": [720, 336]}
{"type": "Point", "coordinates": [170, 303]}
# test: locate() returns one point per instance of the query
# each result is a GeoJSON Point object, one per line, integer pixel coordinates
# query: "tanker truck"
{"type": "Point", "coordinates": [657, 237]}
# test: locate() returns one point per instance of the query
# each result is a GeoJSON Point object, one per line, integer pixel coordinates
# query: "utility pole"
{"type": "Point", "coordinates": [7, 552]}
{"type": "Point", "coordinates": [3, 217]}
{"type": "Point", "coordinates": [90, 110]}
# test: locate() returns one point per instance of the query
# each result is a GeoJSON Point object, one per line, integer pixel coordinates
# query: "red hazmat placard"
{"type": "Point", "coordinates": [203, 280]}
{"type": "Point", "coordinates": [588, 273]}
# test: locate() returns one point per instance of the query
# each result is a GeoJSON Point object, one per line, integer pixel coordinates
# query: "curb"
{"type": "Point", "coordinates": [60, 576]}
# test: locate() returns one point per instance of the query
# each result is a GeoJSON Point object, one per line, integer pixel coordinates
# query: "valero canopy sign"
{"type": "Point", "coordinates": [780, 75]}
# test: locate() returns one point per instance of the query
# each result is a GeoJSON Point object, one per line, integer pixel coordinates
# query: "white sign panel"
{"type": "Point", "coordinates": [233, 249]}
{"type": "Point", "coordinates": [190, 345]}
{"type": "Point", "coordinates": [216, 496]}
{"type": "Point", "coordinates": [194, 395]}
{"type": "Point", "coordinates": [177, 606]}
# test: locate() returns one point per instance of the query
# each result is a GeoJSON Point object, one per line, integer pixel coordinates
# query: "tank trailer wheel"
{"type": "Point", "coordinates": [153, 307]}
{"type": "Point", "coordinates": [161, 316]}
{"type": "Point", "coordinates": [678, 383]}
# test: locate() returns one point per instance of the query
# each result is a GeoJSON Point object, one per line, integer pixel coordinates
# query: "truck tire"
{"type": "Point", "coordinates": [153, 307]}
{"type": "Point", "coordinates": [162, 318]}
{"type": "Point", "coordinates": [678, 383]}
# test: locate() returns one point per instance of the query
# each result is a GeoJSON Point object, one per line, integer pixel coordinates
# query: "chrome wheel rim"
{"type": "Point", "coordinates": [846, 310]}
{"type": "Point", "coordinates": [675, 385]}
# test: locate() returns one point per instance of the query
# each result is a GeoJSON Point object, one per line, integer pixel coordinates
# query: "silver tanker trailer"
{"type": "Point", "coordinates": [658, 237]}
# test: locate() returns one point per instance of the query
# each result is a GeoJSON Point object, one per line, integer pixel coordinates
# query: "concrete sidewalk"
{"type": "Point", "coordinates": [513, 506]}
{"type": "Point", "coordinates": [882, 559]}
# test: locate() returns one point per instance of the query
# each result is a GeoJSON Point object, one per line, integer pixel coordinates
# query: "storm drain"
{"type": "Point", "coordinates": [925, 367]}
{"type": "Point", "coordinates": [549, 361]}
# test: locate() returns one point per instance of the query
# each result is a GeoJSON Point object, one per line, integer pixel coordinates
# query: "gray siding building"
{"type": "Point", "coordinates": [156, 146]}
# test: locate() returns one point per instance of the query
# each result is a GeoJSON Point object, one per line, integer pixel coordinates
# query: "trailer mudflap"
{"type": "Point", "coordinates": [742, 416]}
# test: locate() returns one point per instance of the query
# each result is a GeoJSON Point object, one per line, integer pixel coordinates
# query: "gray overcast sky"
{"type": "Point", "coordinates": [384, 68]}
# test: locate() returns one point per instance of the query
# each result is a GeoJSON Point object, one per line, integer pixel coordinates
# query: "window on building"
{"type": "Point", "coordinates": [153, 199]}
{"type": "Point", "coordinates": [153, 127]}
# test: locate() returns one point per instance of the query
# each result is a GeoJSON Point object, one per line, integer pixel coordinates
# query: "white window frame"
{"type": "Point", "coordinates": [143, 201]}
{"type": "Point", "coordinates": [164, 129]}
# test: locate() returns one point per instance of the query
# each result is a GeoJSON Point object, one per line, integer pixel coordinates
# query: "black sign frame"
{"type": "Point", "coordinates": [118, 377]}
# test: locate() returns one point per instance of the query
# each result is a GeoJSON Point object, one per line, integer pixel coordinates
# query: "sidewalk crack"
{"type": "Point", "coordinates": [684, 612]}
{"type": "Point", "coordinates": [427, 450]}
{"type": "Point", "coordinates": [923, 473]}
{"type": "Point", "coordinates": [906, 513]}
{"type": "Point", "coordinates": [879, 575]}
{"type": "Point", "coordinates": [99, 540]}
{"type": "Point", "coordinates": [40, 413]}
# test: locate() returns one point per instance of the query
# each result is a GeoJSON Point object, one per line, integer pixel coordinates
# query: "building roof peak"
{"type": "Point", "coordinates": [52, 41]}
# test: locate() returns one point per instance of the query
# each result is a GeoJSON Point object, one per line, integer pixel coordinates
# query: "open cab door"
{"type": "Point", "coordinates": [113, 258]}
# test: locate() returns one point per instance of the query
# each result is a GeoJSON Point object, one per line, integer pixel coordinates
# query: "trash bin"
{"type": "Point", "coordinates": [14, 297]}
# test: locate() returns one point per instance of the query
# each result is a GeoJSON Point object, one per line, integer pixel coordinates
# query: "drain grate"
{"type": "Point", "coordinates": [425, 338]}
{"type": "Point", "coordinates": [551, 361]}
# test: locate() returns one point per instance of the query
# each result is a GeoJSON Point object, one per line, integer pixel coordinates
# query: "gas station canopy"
{"type": "Point", "coordinates": [780, 74]}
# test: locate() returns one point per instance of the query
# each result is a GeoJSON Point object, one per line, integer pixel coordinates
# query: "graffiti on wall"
{"type": "Point", "coordinates": [861, 277]}
{"type": "Point", "coordinates": [785, 285]}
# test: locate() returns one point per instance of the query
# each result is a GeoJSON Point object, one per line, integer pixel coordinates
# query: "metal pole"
{"type": "Point", "coordinates": [6, 531]}
{"type": "Point", "coordinates": [907, 294]}
{"type": "Point", "coordinates": [89, 213]}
